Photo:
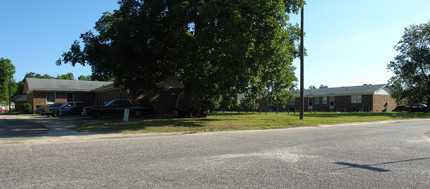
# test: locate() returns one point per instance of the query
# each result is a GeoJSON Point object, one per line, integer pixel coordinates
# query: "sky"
{"type": "Point", "coordinates": [348, 43]}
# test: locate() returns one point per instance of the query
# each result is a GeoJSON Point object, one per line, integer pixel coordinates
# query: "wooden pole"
{"type": "Point", "coordinates": [302, 98]}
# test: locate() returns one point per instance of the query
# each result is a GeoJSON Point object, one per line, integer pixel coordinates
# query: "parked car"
{"type": "Point", "coordinates": [42, 110]}
{"type": "Point", "coordinates": [68, 108]}
{"type": "Point", "coordinates": [2, 110]}
{"type": "Point", "coordinates": [416, 108]}
{"type": "Point", "coordinates": [399, 108]}
{"type": "Point", "coordinates": [116, 107]}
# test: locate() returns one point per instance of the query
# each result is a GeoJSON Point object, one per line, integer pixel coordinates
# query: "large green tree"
{"type": "Point", "coordinates": [68, 76]}
{"type": "Point", "coordinates": [7, 70]}
{"type": "Point", "coordinates": [412, 65]}
{"type": "Point", "coordinates": [217, 48]}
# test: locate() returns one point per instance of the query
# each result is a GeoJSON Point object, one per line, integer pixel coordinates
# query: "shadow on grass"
{"type": "Point", "coordinates": [117, 125]}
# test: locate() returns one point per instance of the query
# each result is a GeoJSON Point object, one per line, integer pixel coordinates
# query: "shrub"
{"type": "Point", "coordinates": [27, 108]}
{"type": "Point", "coordinates": [40, 106]}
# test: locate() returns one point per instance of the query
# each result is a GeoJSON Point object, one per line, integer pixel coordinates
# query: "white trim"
{"type": "Point", "coordinates": [383, 91]}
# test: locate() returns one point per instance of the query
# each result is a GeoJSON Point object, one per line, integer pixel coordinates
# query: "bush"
{"type": "Point", "coordinates": [40, 106]}
{"type": "Point", "coordinates": [27, 108]}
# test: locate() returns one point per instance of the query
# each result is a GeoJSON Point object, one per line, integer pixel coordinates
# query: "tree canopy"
{"type": "Point", "coordinates": [68, 76]}
{"type": "Point", "coordinates": [84, 78]}
{"type": "Point", "coordinates": [217, 48]}
{"type": "Point", "coordinates": [37, 75]}
{"type": "Point", "coordinates": [7, 70]}
{"type": "Point", "coordinates": [412, 65]}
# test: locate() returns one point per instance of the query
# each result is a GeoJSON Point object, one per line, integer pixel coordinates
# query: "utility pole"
{"type": "Point", "coordinates": [10, 86]}
{"type": "Point", "coordinates": [302, 72]}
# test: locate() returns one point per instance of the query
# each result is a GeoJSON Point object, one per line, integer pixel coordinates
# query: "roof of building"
{"type": "Point", "coordinates": [352, 90]}
{"type": "Point", "coordinates": [36, 84]}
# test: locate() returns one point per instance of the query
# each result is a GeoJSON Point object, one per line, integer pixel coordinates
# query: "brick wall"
{"type": "Point", "coordinates": [60, 97]}
{"type": "Point", "coordinates": [19, 106]}
{"type": "Point", "coordinates": [30, 98]}
{"type": "Point", "coordinates": [107, 96]}
{"type": "Point", "coordinates": [163, 99]}
{"type": "Point", "coordinates": [85, 97]}
{"type": "Point", "coordinates": [39, 98]}
{"type": "Point", "coordinates": [343, 103]}
{"type": "Point", "coordinates": [384, 103]}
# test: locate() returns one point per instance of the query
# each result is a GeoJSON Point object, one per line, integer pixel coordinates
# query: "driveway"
{"type": "Point", "coordinates": [16, 126]}
{"type": "Point", "coordinates": [16, 129]}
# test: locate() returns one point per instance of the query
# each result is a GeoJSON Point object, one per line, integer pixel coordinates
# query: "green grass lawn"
{"type": "Point", "coordinates": [231, 121]}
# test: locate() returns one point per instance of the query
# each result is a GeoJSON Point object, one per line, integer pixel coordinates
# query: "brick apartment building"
{"type": "Point", "coordinates": [49, 91]}
{"type": "Point", "coordinates": [348, 99]}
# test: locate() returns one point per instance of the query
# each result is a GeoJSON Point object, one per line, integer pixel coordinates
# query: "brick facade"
{"type": "Point", "coordinates": [161, 98]}
{"type": "Point", "coordinates": [383, 103]}
{"type": "Point", "coordinates": [164, 99]}
{"type": "Point", "coordinates": [377, 103]}
{"type": "Point", "coordinates": [39, 98]}
{"type": "Point", "coordinates": [103, 97]}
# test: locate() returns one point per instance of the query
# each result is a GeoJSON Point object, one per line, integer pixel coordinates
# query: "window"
{"type": "Point", "coordinates": [291, 102]}
{"type": "Point", "coordinates": [324, 100]}
{"type": "Point", "coordinates": [270, 103]}
{"type": "Point", "coordinates": [50, 98]}
{"type": "Point", "coordinates": [70, 97]}
{"type": "Point", "coordinates": [355, 99]}
{"type": "Point", "coordinates": [317, 100]}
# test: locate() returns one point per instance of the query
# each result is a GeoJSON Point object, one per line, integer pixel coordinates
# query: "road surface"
{"type": "Point", "coordinates": [393, 154]}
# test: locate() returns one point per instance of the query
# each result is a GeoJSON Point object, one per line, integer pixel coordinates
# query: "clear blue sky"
{"type": "Point", "coordinates": [349, 42]}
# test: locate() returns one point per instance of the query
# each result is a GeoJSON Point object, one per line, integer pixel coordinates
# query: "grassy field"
{"type": "Point", "coordinates": [231, 121]}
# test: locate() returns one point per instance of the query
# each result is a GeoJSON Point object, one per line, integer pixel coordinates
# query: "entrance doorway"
{"type": "Point", "coordinates": [331, 103]}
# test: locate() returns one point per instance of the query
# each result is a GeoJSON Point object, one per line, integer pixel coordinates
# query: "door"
{"type": "Point", "coordinates": [331, 102]}
{"type": "Point", "coordinates": [70, 97]}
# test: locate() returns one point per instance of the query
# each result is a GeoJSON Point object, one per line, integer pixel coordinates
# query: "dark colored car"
{"type": "Point", "coordinates": [416, 108]}
{"type": "Point", "coordinates": [116, 107]}
{"type": "Point", "coordinates": [68, 108]}
{"type": "Point", "coordinates": [399, 108]}
{"type": "Point", "coordinates": [42, 110]}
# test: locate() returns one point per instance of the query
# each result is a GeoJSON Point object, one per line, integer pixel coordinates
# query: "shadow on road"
{"type": "Point", "coordinates": [371, 166]}
{"type": "Point", "coordinates": [12, 126]}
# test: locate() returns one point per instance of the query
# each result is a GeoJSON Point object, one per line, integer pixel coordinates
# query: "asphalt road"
{"type": "Point", "coordinates": [378, 155]}
{"type": "Point", "coordinates": [18, 126]}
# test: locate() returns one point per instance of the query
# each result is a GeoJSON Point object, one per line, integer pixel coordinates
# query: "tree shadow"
{"type": "Point", "coordinates": [371, 167]}
{"type": "Point", "coordinates": [11, 128]}
{"type": "Point", "coordinates": [39, 126]}
{"type": "Point", "coordinates": [117, 125]}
